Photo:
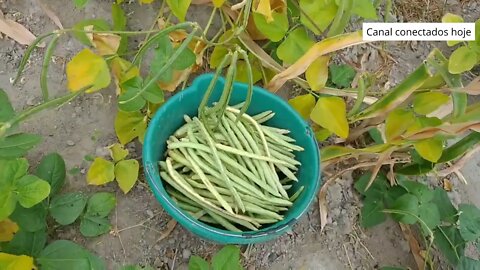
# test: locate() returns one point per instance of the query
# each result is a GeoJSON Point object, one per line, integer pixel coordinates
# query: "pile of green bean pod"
{"type": "Point", "coordinates": [234, 172]}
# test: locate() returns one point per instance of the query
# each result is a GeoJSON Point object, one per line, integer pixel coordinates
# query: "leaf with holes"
{"type": "Point", "coordinates": [52, 170]}
{"type": "Point", "coordinates": [100, 172]}
{"type": "Point", "coordinates": [126, 174]}
{"type": "Point", "coordinates": [66, 208]}
{"type": "Point", "coordinates": [92, 226]}
{"type": "Point", "coordinates": [100, 204]}
{"type": "Point", "coordinates": [331, 113]}
{"type": "Point", "coordinates": [303, 104]}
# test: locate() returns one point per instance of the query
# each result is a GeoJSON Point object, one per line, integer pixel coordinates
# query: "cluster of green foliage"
{"type": "Point", "coordinates": [411, 202]}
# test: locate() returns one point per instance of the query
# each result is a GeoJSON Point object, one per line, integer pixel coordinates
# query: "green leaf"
{"type": "Point", "coordinates": [126, 101]}
{"type": "Point", "coordinates": [452, 18]}
{"type": "Point", "coordinates": [449, 241]}
{"type": "Point", "coordinates": [294, 46]}
{"type": "Point", "coordinates": [120, 24]}
{"type": "Point", "coordinates": [17, 145]}
{"type": "Point", "coordinates": [63, 254]}
{"type": "Point", "coordinates": [430, 149]}
{"type": "Point", "coordinates": [397, 122]}
{"type": "Point", "coordinates": [440, 199]}
{"type": "Point", "coordinates": [372, 212]}
{"type": "Point", "coordinates": [228, 258]}
{"type": "Point", "coordinates": [6, 109]}
{"type": "Point", "coordinates": [303, 104]}
{"type": "Point", "coordinates": [130, 125]}
{"type": "Point", "coordinates": [136, 267]}
{"type": "Point", "coordinates": [98, 24]}
{"type": "Point", "coordinates": [274, 30]}
{"type": "Point", "coordinates": [342, 75]}
{"type": "Point", "coordinates": [66, 208]}
{"type": "Point", "coordinates": [153, 94]}
{"type": "Point", "coordinates": [429, 213]}
{"type": "Point", "coordinates": [317, 73]}
{"type": "Point", "coordinates": [30, 219]}
{"type": "Point", "coordinates": [92, 226]}
{"type": "Point", "coordinates": [376, 135]}
{"type": "Point", "coordinates": [242, 75]}
{"type": "Point", "coordinates": [100, 172]}
{"type": "Point", "coordinates": [469, 221]}
{"type": "Point", "coordinates": [31, 190]}
{"type": "Point", "coordinates": [52, 170]}
{"type": "Point", "coordinates": [462, 59]}
{"type": "Point", "coordinates": [460, 148]}
{"type": "Point", "coordinates": [425, 103]}
{"type": "Point", "coordinates": [27, 243]}
{"type": "Point", "coordinates": [364, 9]}
{"type": "Point", "coordinates": [80, 3]}
{"type": "Point", "coordinates": [322, 12]}
{"type": "Point", "coordinates": [392, 194]}
{"type": "Point", "coordinates": [416, 169]}
{"type": "Point", "coordinates": [126, 173]}
{"type": "Point", "coordinates": [10, 171]}
{"type": "Point", "coordinates": [179, 8]}
{"type": "Point", "coordinates": [163, 52]}
{"type": "Point", "coordinates": [331, 113]}
{"type": "Point", "coordinates": [377, 188]}
{"type": "Point", "coordinates": [185, 60]}
{"type": "Point", "coordinates": [197, 263]}
{"type": "Point", "coordinates": [407, 203]}
{"type": "Point", "coordinates": [468, 264]}
{"type": "Point", "coordinates": [423, 193]}
{"type": "Point", "coordinates": [100, 204]}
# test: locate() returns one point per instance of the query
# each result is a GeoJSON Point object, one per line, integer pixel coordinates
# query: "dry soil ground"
{"type": "Point", "coordinates": [85, 126]}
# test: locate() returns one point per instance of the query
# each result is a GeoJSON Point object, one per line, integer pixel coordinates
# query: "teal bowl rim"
{"type": "Point", "coordinates": [197, 227]}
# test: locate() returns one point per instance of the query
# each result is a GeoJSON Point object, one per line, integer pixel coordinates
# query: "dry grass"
{"type": "Point", "coordinates": [420, 10]}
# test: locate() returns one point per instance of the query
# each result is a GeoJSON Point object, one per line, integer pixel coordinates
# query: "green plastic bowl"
{"type": "Point", "coordinates": [170, 117]}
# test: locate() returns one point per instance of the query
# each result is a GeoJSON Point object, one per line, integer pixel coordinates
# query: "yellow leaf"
{"type": "Point", "coordinates": [101, 172]}
{"type": "Point", "coordinates": [265, 9]}
{"type": "Point", "coordinates": [87, 69]}
{"type": "Point", "coordinates": [8, 229]}
{"type": "Point", "coordinates": [130, 125]}
{"type": "Point", "coordinates": [145, 1]}
{"type": "Point", "coordinates": [397, 122]}
{"type": "Point", "coordinates": [331, 113]}
{"type": "Point", "coordinates": [178, 77]}
{"type": "Point", "coordinates": [105, 43]}
{"type": "Point", "coordinates": [126, 173]}
{"type": "Point", "coordinates": [117, 152]}
{"type": "Point", "coordinates": [452, 18]}
{"type": "Point", "coordinates": [303, 104]}
{"type": "Point", "coordinates": [321, 134]}
{"type": "Point", "coordinates": [218, 3]}
{"type": "Point", "coordinates": [122, 71]}
{"type": "Point", "coordinates": [14, 262]}
{"type": "Point", "coordinates": [430, 149]}
{"type": "Point", "coordinates": [321, 48]}
{"type": "Point", "coordinates": [425, 103]}
{"type": "Point", "coordinates": [317, 73]}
